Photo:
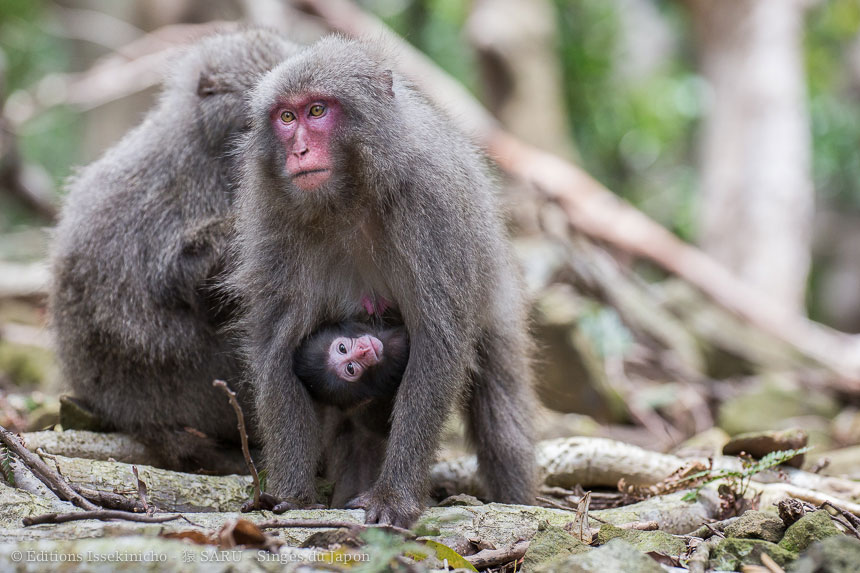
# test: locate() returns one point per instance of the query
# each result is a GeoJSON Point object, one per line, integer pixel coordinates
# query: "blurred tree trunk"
{"type": "Point", "coordinates": [516, 45]}
{"type": "Point", "coordinates": [757, 194]}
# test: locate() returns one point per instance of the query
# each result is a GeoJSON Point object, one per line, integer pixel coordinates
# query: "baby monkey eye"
{"type": "Point", "coordinates": [351, 369]}
{"type": "Point", "coordinates": [317, 110]}
{"type": "Point", "coordinates": [287, 116]}
{"type": "Point", "coordinates": [341, 348]}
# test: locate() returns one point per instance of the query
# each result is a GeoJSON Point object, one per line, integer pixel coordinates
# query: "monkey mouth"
{"type": "Point", "coordinates": [311, 172]}
{"type": "Point", "coordinates": [311, 179]}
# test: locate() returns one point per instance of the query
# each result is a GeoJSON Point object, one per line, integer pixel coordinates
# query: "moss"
{"type": "Point", "coordinates": [808, 529]}
{"type": "Point", "coordinates": [732, 553]}
{"type": "Point", "coordinates": [757, 525]}
{"type": "Point", "coordinates": [644, 541]}
{"type": "Point", "coordinates": [550, 544]}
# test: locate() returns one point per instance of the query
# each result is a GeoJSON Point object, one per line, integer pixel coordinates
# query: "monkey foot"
{"type": "Point", "coordinates": [275, 505]}
{"type": "Point", "coordinates": [386, 509]}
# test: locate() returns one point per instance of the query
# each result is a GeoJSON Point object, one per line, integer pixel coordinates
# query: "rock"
{"type": "Point", "coordinates": [756, 525]}
{"type": "Point", "coordinates": [617, 555]}
{"type": "Point", "coordinates": [759, 444]}
{"type": "Point", "coordinates": [460, 499]}
{"type": "Point", "coordinates": [767, 406]}
{"type": "Point", "coordinates": [834, 555]}
{"type": "Point", "coordinates": [808, 529]}
{"type": "Point", "coordinates": [75, 415]}
{"type": "Point", "coordinates": [550, 544]}
{"type": "Point", "coordinates": [644, 541]}
{"type": "Point", "coordinates": [732, 553]}
{"type": "Point", "coordinates": [843, 462]}
{"type": "Point", "coordinates": [704, 444]}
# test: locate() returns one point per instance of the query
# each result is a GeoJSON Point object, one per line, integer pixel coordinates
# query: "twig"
{"type": "Point", "coordinates": [707, 530]}
{"type": "Point", "coordinates": [848, 519]}
{"type": "Point", "coordinates": [770, 564]}
{"type": "Point", "coordinates": [243, 434]}
{"type": "Point", "coordinates": [493, 557]}
{"type": "Point", "coordinates": [141, 491]}
{"type": "Point", "coordinates": [698, 562]}
{"type": "Point", "coordinates": [53, 480]}
{"type": "Point", "coordinates": [547, 502]}
{"type": "Point", "coordinates": [110, 500]}
{"type": "Point", "coordinates": [100, 514]}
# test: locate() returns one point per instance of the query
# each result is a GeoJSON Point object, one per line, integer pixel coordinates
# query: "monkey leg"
{"type": "Point", "coordinates": [353, 456]}
{"type": "Point", "coordinates": [499, 413]}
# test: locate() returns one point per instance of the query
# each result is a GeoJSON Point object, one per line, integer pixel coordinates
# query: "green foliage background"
{"type": "Point", "coordinates": [637, 138]}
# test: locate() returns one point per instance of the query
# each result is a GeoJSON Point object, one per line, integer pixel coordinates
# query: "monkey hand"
{"type": "Point", "coordinates": [386, 507]}
{"type": "Point", "coordinates": [275, 505]}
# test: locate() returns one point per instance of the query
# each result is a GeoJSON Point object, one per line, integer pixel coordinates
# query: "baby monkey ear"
{"type": "Point", "coordinates": [210, 83]}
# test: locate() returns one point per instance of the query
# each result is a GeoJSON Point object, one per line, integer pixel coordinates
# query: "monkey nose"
{"type": "Point", "coordinates": [366, 349]}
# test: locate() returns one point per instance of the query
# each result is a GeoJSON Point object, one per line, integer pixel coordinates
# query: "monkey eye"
{"type": "Point", "coordinates": [317, 110]}
{"type": "Point", "coordinates": [341, 348]}
{"type": "Point", "coordinates": [350, 368]}
{"type": "Point", "coordinates": [287, 116]}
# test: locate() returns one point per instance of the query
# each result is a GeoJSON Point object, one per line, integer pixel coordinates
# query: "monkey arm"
{"type": "Point", "coordinates": [286, 416]}
{"type": "Point", "coordinates": [195, 260]}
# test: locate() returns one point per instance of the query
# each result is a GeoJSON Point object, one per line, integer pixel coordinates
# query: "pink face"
{"type": "Point", "coordinates": [350, 357]}
{"type": "Point", "coordinates": [304, 126]}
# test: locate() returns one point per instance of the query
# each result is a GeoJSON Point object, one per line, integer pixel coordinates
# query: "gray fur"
{"type": "Point", "coordinates": [143, 234]}
{"type": "Point", "coordinates": [410, 214]}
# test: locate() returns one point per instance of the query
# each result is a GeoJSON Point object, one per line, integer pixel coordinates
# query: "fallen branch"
{"type": "Point", "coordinates": [599, 213]}
{"type": "Point", "coordinates": [100, 514]}
{"type": "Point", "coordinates": [487, 558]}
{"type": "Point", "coordinates": [51, 478]}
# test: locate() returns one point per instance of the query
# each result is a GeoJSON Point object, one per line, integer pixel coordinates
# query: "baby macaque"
{"type": "Point", "coordinates": [355, 365]}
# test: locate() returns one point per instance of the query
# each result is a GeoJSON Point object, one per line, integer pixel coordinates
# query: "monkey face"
{"type": "Point", "coordinates": [305, 126]}
{"type": "Point", "coordinates": [350, 357]}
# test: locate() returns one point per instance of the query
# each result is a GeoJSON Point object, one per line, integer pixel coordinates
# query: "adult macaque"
{"type": "Point", "coordinates": [353, 183]}
{"type": "Point", "coordinates": [143, 234]}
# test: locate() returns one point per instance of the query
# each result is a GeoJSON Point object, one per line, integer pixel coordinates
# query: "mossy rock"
{"type": "Point", "coordinates": [549, 544]}
{"type": "Point", "coordinates": [644, 541]}
{"type": "Point", "coordinates": [617, 555]}
{"type": "Point", "coordinates": [834, 555]}
{"type": "Point", "coordinates": [807, 530]}
{"type": "Point", "coordinates": [731, 554]}
{"type": "Point", "coordinates": [756, 525]}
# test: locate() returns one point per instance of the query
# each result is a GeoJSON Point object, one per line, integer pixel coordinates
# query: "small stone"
{"type": "Point", "coordinates": [807, 530]}
{"type": "Point", "coordinates": [756, 525]}
{"type": "Point", "coordinates": [759, 444]}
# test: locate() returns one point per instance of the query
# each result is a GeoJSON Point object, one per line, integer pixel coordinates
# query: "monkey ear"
{"type": "Point", "coordinates": [210, 84]}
